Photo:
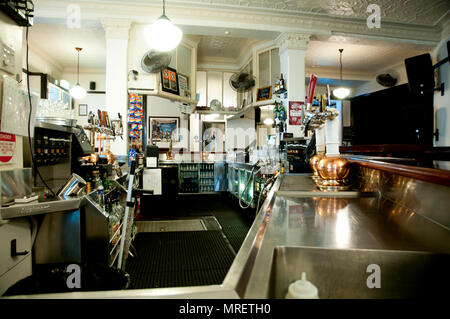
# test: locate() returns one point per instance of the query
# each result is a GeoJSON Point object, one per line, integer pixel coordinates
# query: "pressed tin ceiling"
{"type": "Point", "coordinates": [227, 47]}
{"type": "Point", "coordinates": [429, 12]}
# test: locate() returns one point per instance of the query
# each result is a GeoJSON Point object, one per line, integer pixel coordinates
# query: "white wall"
{"type": "Point", "coordinates": [39, 62]}
{"type": "Point", "coordinates": [86, 76]}
{"type": "Point", "coordinates": [235, 130]}
{"type": "Point", "coordinates": [442, 103]}
{"type": "Point", "coordinates": [94, 101]}
{"type": "Point", "coordinates": [398, 71]}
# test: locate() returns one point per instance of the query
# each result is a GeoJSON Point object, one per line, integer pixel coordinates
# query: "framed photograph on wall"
{"type": "Point", "coordinates": [169, 81]}
{"type": "Point", "coordinates": [82, 109]}
{"type": "Point", "coordinates": [183, 85]}
{"type": "Point", "coordinates": [264, 94]}
{"type": "Point", "coordinates": [161, 130]}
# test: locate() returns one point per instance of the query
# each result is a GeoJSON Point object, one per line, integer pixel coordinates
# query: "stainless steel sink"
{"type": "Point", "coordinates": [343, 273]}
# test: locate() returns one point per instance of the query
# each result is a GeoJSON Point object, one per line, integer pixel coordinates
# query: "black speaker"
{"type": "Point", "coordinates": [92, 86]}
{"type": "Point", "coordinates": [257, 115]}
{"type": "Point", "coordinates": [419, 70]}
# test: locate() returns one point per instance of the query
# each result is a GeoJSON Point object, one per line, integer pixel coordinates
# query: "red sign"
{"type": "Point", "coordinates": [7, 147]}
{"type": "Point", "coordinates": [295, 112]}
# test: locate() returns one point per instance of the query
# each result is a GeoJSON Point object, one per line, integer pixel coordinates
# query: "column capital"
{"type": "Point", "coordinates": [116, 28]}
{"type": "Point", "coordinates": [292, 41]}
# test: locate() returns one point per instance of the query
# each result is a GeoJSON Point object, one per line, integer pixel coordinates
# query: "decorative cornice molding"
{"type": "Point", "coordinates": [332, 73]}
{"type": "Point", "coordinates": [250, 18]}
{"type": "Point", "coordinates": [116, 28]}
{"type": "Point", "coordinates": [292, 41]}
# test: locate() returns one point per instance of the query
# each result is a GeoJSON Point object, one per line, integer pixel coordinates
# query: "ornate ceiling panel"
{"type": "Point", "coordinates": [407, 11]}
{"type": "Point", "coordinates": [227, 47]}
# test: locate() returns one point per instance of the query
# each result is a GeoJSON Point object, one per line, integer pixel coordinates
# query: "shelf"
{"type": "Point", "coordinates": [166, 95]}
{"type": "Point", "coordinates": [250, 107]}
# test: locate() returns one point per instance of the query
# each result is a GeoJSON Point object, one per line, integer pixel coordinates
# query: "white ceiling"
{"type": "Point", "coordinates": [58, 42]}
{"type": "Point", "coordinates": [359, 57]}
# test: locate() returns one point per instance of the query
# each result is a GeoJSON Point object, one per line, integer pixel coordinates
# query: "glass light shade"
{"type": "Point", "coordinates": [163, 35]}
{"type": "Point", "coordinates": [341, 93]}
{"type": "Point", "coordinates": [269, 121]}
{"type": "Point", "coordinates": [77, 92]}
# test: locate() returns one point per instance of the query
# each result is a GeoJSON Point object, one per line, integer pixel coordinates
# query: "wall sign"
{"type": "Point", "coordinates": [7, 147]}
{"type": "Point", "coordinates": [296, 112]}
{"type": "Point", "coordinates": [264, 94]}
{"type": "Point", "coordinates": [183, 84]}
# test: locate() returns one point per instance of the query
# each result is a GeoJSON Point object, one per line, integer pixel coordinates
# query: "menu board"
{"type": "Point", "coordinates": [183, 84]}
{"type": "Point", "coordinates": [295, 112]}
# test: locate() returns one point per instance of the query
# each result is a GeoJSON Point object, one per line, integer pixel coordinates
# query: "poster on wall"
{"type": "Point", "coordinates": [169, 81]}
{"type": "Point", "coordinates": [7, 147]}
{"type": "Point", "coordinates": [161, 130]}
{"type": "Point", "coordinates": [295, 112]}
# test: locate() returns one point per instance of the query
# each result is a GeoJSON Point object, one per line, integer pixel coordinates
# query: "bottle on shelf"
{"type": "Point", "coordinates": [277, 85]}
{"type": "Point", "coordinates": [282, 85]}
{"type": "Point", "coordinates": [101, 195]}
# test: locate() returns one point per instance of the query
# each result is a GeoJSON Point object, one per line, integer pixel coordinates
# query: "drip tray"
{"type": "Point", "coordinates": [178, 225]}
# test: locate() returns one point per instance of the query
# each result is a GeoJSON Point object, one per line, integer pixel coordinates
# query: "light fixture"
{"type": "Point", "coordinates": [341, 92]}
{"type": "Point", "coordinates": [269, 121]}
{"type": "Point", "coordinates": [77, 91]}
{"type": "Point", "coordinates": [163, 35]}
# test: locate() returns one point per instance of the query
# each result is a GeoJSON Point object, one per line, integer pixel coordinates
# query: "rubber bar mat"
{"type": "Point", "coordinates": [179, 259]}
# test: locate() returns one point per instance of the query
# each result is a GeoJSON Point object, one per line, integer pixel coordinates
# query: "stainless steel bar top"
{"type": "Point", "coordinates": [36, 208]}
{"type": "Point", "coordinates": [348, 220]}
{"type": "Point", "coordinates": [341, 223]}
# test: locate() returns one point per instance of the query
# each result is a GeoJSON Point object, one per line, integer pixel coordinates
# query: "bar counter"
{"type": "Point", "coordinates": [385, 218]}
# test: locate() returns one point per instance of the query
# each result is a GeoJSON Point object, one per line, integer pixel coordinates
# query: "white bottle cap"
{"type": "Point", "coordinates": [302, 289]}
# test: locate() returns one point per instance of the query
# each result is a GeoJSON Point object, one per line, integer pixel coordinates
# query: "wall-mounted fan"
{"type": "Point", "coordinates": [386, 80]}
{"type": "Point", "coordinates": [154, 62]}
{"type": "Point", "coordinates": [242, 82]}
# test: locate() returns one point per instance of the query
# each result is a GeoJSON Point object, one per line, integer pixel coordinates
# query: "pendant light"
{"type": "Point", "coordinates": [77, 91]}
{"type": "Point", "coordinates": [163, 35]}
{"type": "Point", "coordinates": [269, 121]}
{"type": "Point", "coordinates": [341, 92]}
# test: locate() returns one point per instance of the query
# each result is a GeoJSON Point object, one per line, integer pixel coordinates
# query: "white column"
{"type": "Point", "coordinates": [292, 61]}
{"type": "Point", "coordinates": [116, 34]}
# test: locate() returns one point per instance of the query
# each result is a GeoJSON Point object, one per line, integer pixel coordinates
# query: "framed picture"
{"type": "Point", "coordinates": [183, 85]}
{"type": "Point", "coordinates": [161, 130]}
{"type": "Point", "coordinates": [82, 109]}
{"type": "Point", "coordinates": [169, 81]}
{"type": "Point", "coordinates": [264, 94]}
